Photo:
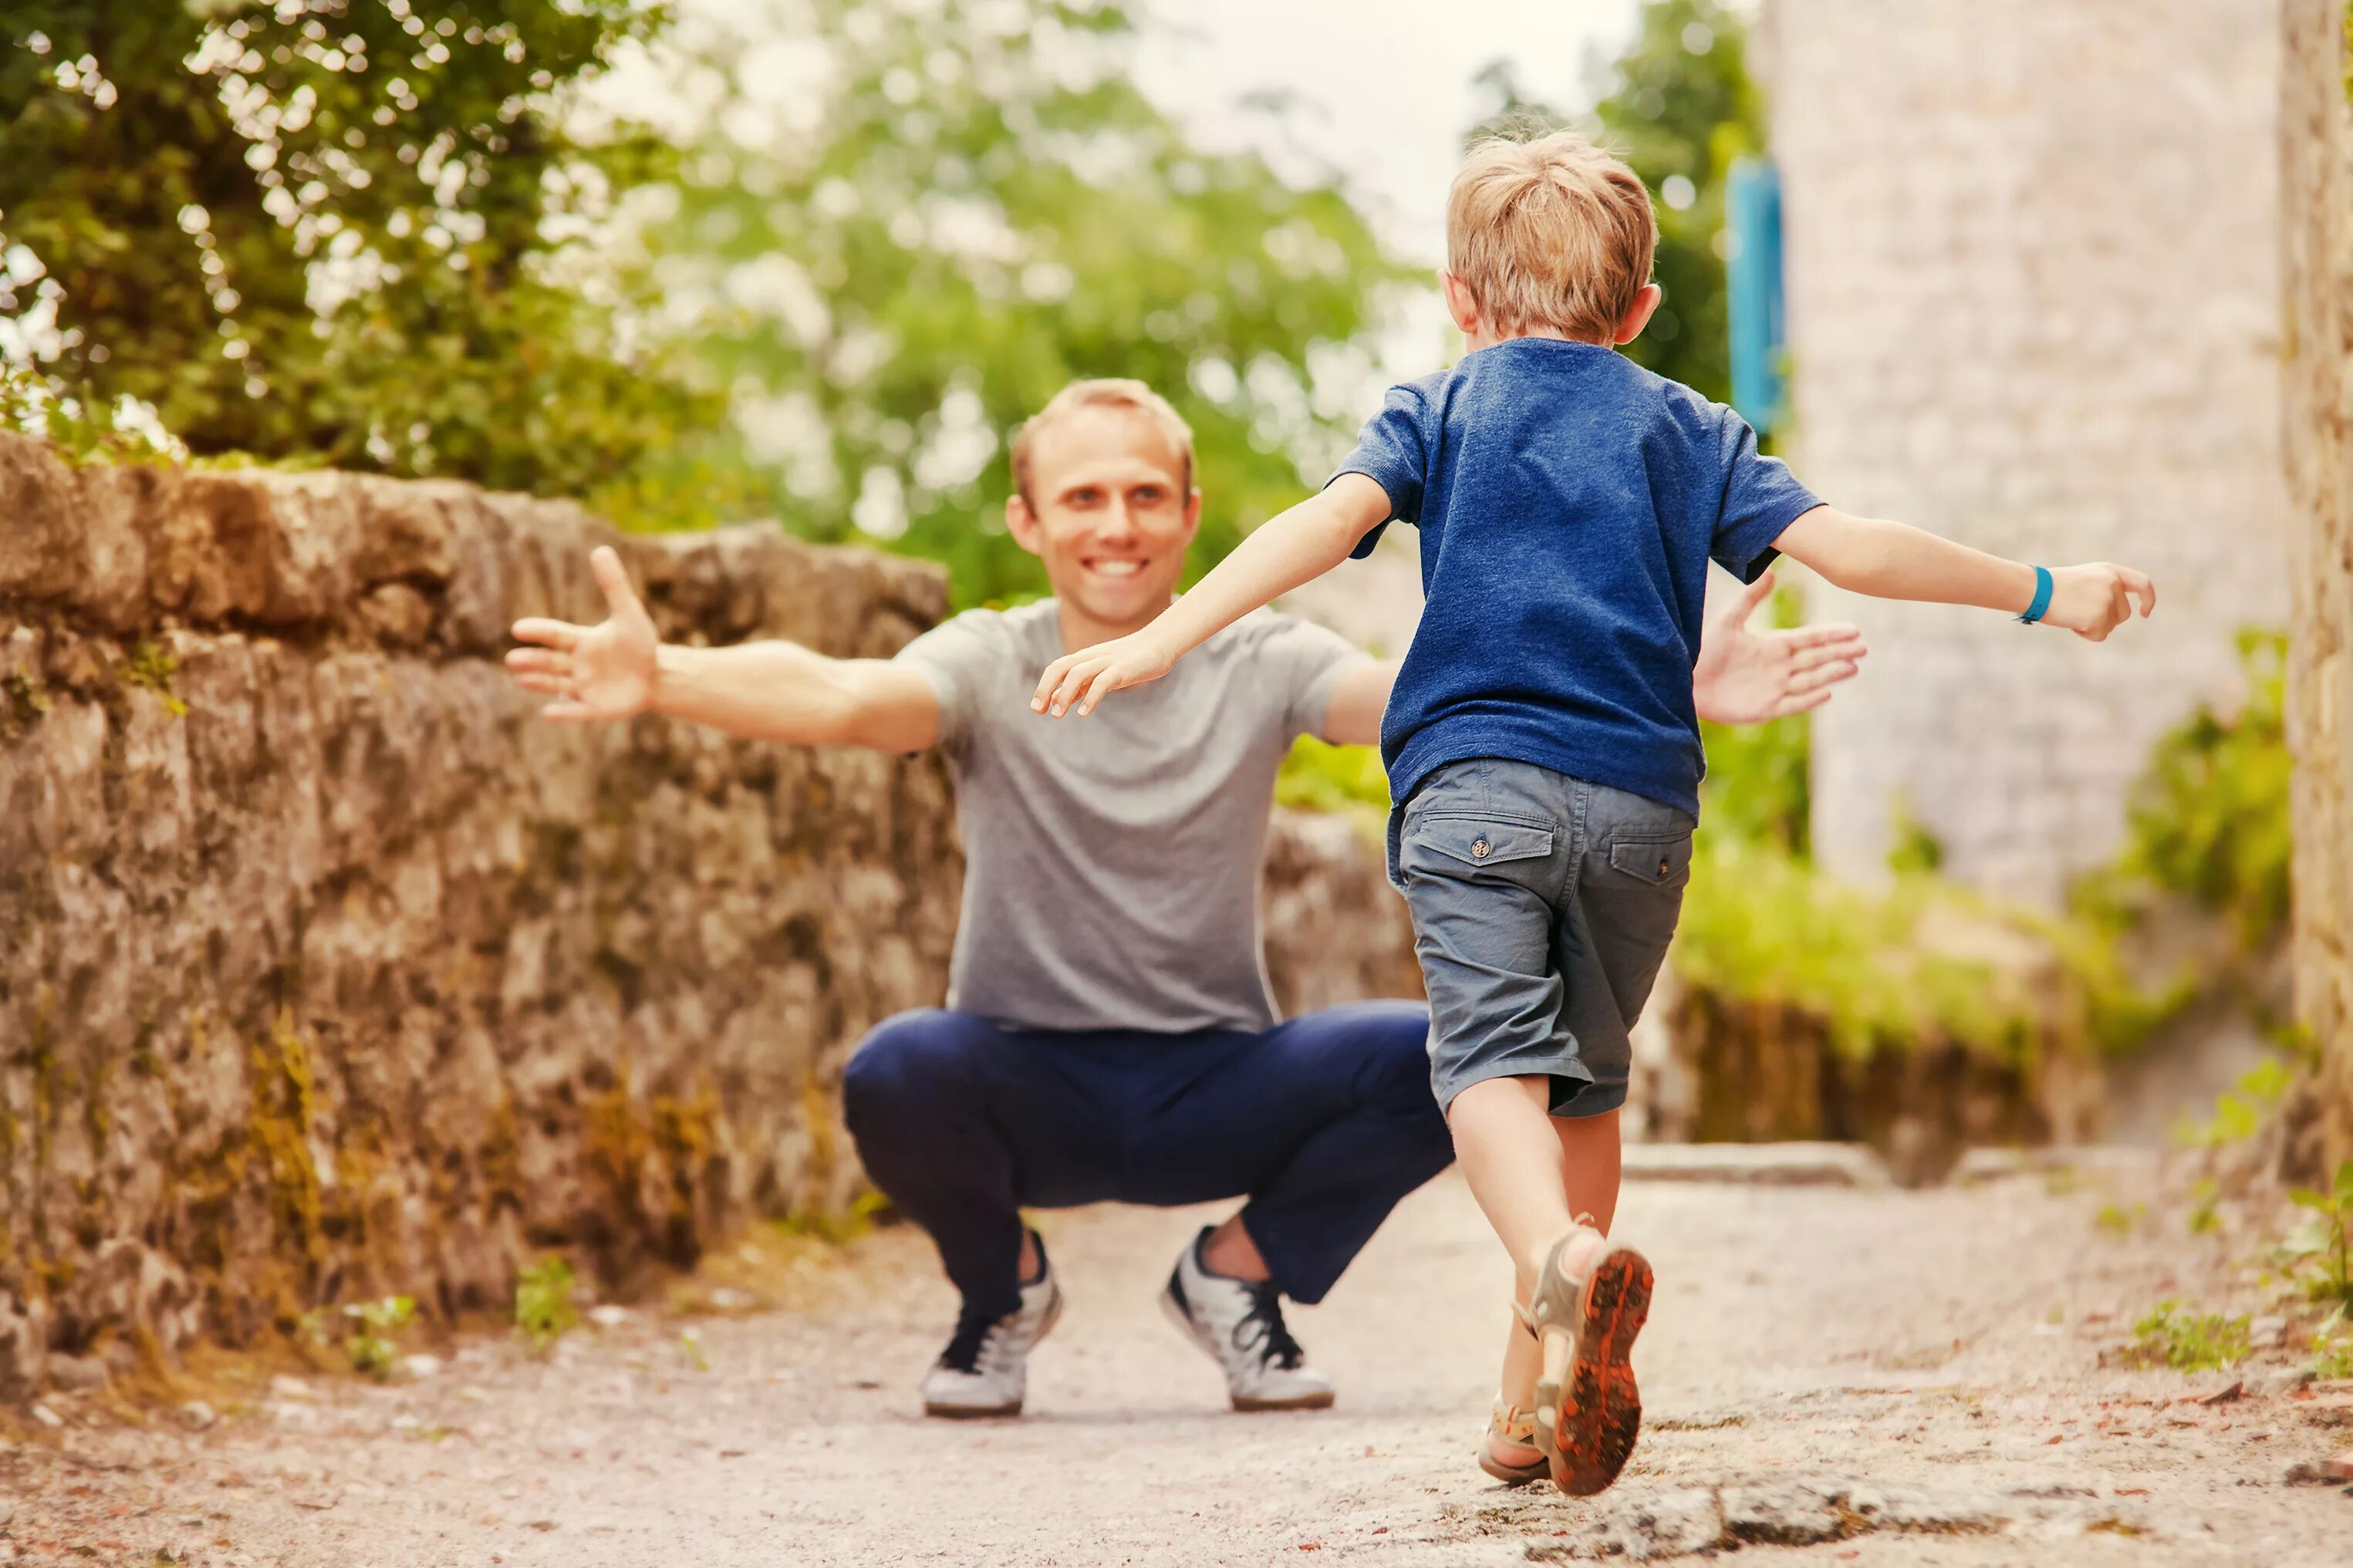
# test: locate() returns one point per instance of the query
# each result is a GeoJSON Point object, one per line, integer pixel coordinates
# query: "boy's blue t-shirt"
{"type": "Point", "coordinates": [1568, 501]}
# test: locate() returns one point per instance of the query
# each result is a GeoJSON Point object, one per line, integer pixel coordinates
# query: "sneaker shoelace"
{"type": "Point", "coordinates": [968, 1342]}
{"type": "Point", "coordinates": [1262, 1329]}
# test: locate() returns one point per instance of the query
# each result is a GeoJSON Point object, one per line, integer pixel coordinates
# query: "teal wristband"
{"type": "Point", "coordinates": [2035, 610]}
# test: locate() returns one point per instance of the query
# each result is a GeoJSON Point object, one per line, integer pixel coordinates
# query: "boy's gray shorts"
{"type": "Point", "coordinates": [1542, 906]}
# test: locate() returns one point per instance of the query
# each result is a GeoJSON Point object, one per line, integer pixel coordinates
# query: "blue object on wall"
{"type": "Point", "coordinates": [1752, 268]}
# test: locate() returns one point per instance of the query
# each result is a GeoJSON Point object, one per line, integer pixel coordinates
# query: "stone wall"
{"type": "Point", "coordinates": [2317, 185]}
{"type": "Point", "coordinates": [328, 972]}
{"type": "Point", "coordinates": [2034, 305]}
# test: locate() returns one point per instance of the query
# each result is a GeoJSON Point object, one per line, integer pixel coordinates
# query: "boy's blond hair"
{"type": "Point", "coordinates": [1552, 232]}
{"type": "Point", "coordinates": [1111, 391]}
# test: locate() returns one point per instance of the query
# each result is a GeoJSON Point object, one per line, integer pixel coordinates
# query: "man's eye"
{"type": "Point", "coordinates": [1149, 495]}
{"type": "Point", "coordinates": [1084, 498]}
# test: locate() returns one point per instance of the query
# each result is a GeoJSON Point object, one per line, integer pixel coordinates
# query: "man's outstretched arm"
{"type": "Point", "coordinates": [1743, 677]}
{"type": "Point", "coordinates": [769, 691]}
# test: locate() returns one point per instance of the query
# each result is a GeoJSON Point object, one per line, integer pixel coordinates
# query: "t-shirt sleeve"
{"type": "Point", "coordinates": [1393, 452]}
{"type": "Point", "coordinates": [1308, 662]}
{"type": "Point", "coordinates": [1760, 499]}
{"type": "Point", "coordinates": [959, 656]}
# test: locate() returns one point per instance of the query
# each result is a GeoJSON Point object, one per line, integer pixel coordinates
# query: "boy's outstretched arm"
{"type": "Point", "coordinates": [1290, 548]}
{"type": "Point", "coordinates": [1891, 561]}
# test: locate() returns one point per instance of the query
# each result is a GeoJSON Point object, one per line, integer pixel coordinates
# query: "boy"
{"type": "Point", "coordinates": [1541, 745]}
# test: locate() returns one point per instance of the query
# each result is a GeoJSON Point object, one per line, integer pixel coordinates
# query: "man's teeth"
{"type": "Point", "coordinates": [1118, 568]}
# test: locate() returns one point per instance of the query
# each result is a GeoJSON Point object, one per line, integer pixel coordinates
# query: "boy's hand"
{"type": "Point", "coordinates": [603, 671]}
{"type": "Point", "coordinates": [2094, 600]}
{"type": "Point", "coordinates": [1087, 677]}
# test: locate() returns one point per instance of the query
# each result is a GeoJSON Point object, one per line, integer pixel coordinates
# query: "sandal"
{"type": "Point", "coordinates": [1509, 1424]}
{"type": "Point", "coordinates": [1588, 1411]}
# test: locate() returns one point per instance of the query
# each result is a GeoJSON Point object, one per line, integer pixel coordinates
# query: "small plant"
{"type": "Point", "coordinates": [2188, 1342]}
{"type": "Point", "coordinates": [835, 1229]}
{"type": "Point", "coordinates": [2240, 1111]}
{"type": "Point", "coordinates": [152, 667]}
{"type": "Point", "coordinates": [2119, 1220]}
{"type": "Point", "coordinates": [2325, 1243]}
{"type": "Point", "coordinates": [689, 1345]}
{"type": "Point", "coordinates": [2205, 1206]}
{"type": "Point", "coordinates": [371, 1348]}
{"type": "Point", "coordinates": [2332, 1347]}
{"type": "Point", "coordinates": [544, 1310]}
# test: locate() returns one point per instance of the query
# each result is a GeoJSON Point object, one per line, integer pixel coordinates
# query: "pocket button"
{"type": "Point", "coordinates": [1478, 849]}
{"type": "Point", "coordinates": [1663, 867]}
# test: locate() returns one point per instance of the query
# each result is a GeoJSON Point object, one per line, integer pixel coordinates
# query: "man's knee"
{"type": "Point", "coordinates": [1380, 1049]}
{"type": "Point", "coordinates": [908, 1062]}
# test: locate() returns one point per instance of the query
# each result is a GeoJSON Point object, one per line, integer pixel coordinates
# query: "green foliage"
{"type": "Point", "coordinates": [2188, 1342]}
{"type": "Point", "coordinates": [834, 1229]}
{"type": "Point", "coordinates": [976, 206]}
{"type": "Point", "coordinates": [544, 1308]}
{"type": "Point", "coordinates": [2209, 820]}
{"type": "Point", "coordinates": [2323, 1248]}
{"type": "Point", "coordinates": [1679, 105]}
{"type": "Point", "coordinates": [1916, 851]}
{"type": "Point", "coordinates": [1758, 787]}
{"type": "Point", "coordinates": [2205, 1206]}
{"type": "Point", "coordinates": [337, 232]}
{"type": "Point", "coordinates": [1320, 777]}
{"type": "Point", "coordinates": [1920, 961]}
{"type": "Point", "coordinates": [2117, 1219]}
{"type": "Point", "coordinates": [2241, 1111]}
{"type": "Point", "coordinates": [1759, 784]}
{"type": "Point", "coordinates": [152, 669]}
{"type": "Point", "coordinates": [371, 1348]}
{"type": "Point", "coordinates": [2332, 1349]}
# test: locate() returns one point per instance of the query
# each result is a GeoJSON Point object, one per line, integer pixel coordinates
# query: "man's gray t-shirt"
{"type": "Point", "coordinates": [1112, 862]}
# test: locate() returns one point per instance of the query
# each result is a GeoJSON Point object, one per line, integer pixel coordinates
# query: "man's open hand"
{"type": "Point", "coordinates": [1745, 677]}
{"type": "Point", "coordinates": [593, 672]}
{"type": "Point", "coordinates": [1087, 677]}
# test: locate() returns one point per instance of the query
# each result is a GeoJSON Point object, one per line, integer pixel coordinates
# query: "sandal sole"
{"type": "Point", "coordinates": [1587, 1379]}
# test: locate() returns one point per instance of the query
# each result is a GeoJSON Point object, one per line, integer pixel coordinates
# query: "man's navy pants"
{"type": "Point", "coordinates": [1325, 1121]}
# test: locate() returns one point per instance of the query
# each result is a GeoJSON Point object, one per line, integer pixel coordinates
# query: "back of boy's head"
{"type": "Point", "coordinates": [1550, 233]}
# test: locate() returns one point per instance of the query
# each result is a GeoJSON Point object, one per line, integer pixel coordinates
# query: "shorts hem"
{"type": "Point", "coordinates": [1591, 1099]}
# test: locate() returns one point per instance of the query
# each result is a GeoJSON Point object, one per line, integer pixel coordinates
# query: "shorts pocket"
{"type": "Point", "coordinates": [1662, 862]}
{"type": "Point", "coordinates": [1482, 840]}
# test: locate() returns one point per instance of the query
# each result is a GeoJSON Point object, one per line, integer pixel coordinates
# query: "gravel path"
{"type": "Point", "coordinates": [1875, 1377]}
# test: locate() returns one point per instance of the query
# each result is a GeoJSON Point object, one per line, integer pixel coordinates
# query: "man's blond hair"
{"type": "Point", "coordinates": [1109, 391]}
{"type": "Point", "coordinates": [1550, 233]}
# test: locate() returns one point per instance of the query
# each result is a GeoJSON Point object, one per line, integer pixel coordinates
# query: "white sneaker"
{"type": "Point", "coordinates": [984, 1371]}
{"type": "Point", "coordinates": [1239, 1323]}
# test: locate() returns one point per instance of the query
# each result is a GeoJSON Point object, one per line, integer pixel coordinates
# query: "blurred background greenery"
{"type": "Point", "coordinates": [814, 259]}
{"type": "Point", "coordinates": [425, 238]}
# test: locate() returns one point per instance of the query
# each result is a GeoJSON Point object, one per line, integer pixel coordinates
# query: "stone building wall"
{"type": "Point", "coordinates": [328, 972]}
{"type": "Point", "coordinates": [2317, 183]}
{"type": "Point", "coordinates": [2034, 305]}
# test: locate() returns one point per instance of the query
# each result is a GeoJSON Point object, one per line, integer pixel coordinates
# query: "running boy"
{"type": "Point", "coordinates": [1541, 745]}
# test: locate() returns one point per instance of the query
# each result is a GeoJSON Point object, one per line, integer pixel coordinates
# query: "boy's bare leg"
{"type": "Point", "coordinates": [1533, 1173]}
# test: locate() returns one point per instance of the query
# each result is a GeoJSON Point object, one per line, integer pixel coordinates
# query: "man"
{"type": "Point", "coordinates": [1108, 1035]}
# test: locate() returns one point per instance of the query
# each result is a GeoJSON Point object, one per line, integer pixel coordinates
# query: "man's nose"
{"type": "Point", "coordinates": [1118, 523]}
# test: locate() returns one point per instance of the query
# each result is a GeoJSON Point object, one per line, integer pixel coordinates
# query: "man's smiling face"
{"type": "Point", "coordinates": [1108, 512]}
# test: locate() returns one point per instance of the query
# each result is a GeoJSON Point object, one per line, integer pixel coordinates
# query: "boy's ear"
{"type": "Point", "coordinates": [1638, 315]}
{"type": "Point", "coordinates": [1462, 305]}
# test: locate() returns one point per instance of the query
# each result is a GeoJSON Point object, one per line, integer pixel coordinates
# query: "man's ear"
{"type": "Point", "coordinates": [1022, 524]}
{"type": "Point", "coordinates": [1462, 305]}
{"type": "Point", "coordinates": [1638, 316]}
{"type": "Point", "coordinates": [1192, 515]}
